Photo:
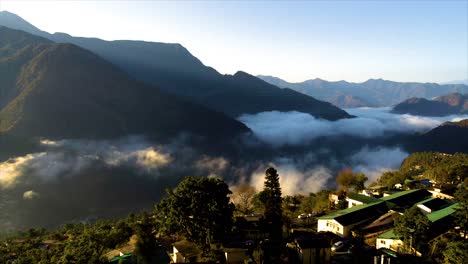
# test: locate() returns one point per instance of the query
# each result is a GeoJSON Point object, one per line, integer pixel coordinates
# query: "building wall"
{"type": "Point", "coordinates": [352, 202]}
{"type": "Point", "coordinates": [236, 257]}
{"type": "Point", "coordinates": [388, 243]}
{"type": "Point", "coordinates": [330, 225]}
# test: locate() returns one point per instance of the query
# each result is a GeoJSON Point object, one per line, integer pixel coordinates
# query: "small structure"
{"type": "Point", "coordinates": [389, 240]}
{"type": "Point", "coordinates": [309, 250]}
{"type": "Point", "coordinates": [379, 226]}
{"type": "Point", "coordinates": [354, 199]}
{"type": "Point", "coordinates": [443, 192]}
{"type": "Point", "coordinates": [433, 204]}
{"type": "Point", "coordinates": [235, 255]}
{"type": "Point", "coordinates": [184, 252]}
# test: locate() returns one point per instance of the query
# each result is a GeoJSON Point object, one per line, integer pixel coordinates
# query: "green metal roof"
{"type": "Point", "coordinates": [425, 201]}
{"type": "Point", "coordinates": [398, 194]}
{"type": "Point", "coordinates": [437, 215]}
{"type": "Point", "coordinates": [388, 235]}
{"type": "Point", "coordinates": [335, 214]}
{"type": "Point", "coordinates": [116, 259]}
{"type": "Point", "coordinates": [362, 198]}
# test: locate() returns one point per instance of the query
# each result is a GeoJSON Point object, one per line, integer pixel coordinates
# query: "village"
{"type": "Point", "coordinates": [357, 227]}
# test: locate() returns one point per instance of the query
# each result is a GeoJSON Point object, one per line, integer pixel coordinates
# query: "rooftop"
{"type": "Point", "coordinates": [362, 198]}
{"type": "Point", "coordinates": [358, 213]}
{"type": "Point", "coordinates": [388, 235]}
{"type": "Point", "coordinates": [440, 214]}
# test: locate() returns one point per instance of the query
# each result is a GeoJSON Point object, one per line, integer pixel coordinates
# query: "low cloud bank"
{"type": "Point", "coordinates": [373, 162]}
{"type": "Point", "coordinates": [296, 128]}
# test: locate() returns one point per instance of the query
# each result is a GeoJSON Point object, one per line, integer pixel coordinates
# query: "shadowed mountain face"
{"type": "Point", "coordinates": [450, 137]}
{"type": "Point", "coordinates": [450, 104]}
{"type": "Point", "coordinates": [63, 91]}
{"type": "Point", "coordinates": [374, 92]}
{"type": "Point", "coordinates": [172, 68]}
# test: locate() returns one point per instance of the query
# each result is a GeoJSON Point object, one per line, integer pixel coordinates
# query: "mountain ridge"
{"type": "Point", "coordinates": [374, 92]}
{"type": "Point", "coordinates": [63, 91]}
{"type": "Point", "coordinates": [174, 69]}
{"type": "Point", "coordinates": [450, 104]}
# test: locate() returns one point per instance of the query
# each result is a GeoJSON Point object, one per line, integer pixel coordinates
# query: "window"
{"type": "Point", "coordinates": [382, 242]}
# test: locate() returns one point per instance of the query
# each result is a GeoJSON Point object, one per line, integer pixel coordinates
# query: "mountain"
{"type": "Point", "coordinates": [172, 68]}
{"type": "Point", "coordinates": [63, 91]}
{"type": "Point", "coordinates": [374, 92]}
{"type": "Point", "coordinates": [450, 104]}
{"type": "Point", "coordinates": [449, 137]}
{"type": "Point", "coordinates": [465, 82]}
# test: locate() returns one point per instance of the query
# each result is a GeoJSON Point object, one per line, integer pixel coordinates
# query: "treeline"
{"type": "Point", "coordinates": [438, 167]}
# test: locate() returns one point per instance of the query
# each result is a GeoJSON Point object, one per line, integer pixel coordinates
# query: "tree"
{"type": "Point", "coordinates": [412, 227]}
{"type": "Point", "coordinates": [243, 197]}
{"type": "Point", "coordinates": [347, 179]}
{"type": "Point", "coordinates": [461, 213]}
{"type": "Point", "coordinates": [272, 201]}
{"type": "Point", "coordinates": [456, 252]}
{"type": "Point", "coordinates": [145, 246]}
{"type": "Point", "coordinates": [199, 208]}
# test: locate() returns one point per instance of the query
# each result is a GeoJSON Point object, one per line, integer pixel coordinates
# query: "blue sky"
{"type": "Point", "coordinates": [423, 41]}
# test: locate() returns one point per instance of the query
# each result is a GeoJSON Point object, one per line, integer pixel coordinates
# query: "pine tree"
{"type": "Point", "coordinates": [271, 198]}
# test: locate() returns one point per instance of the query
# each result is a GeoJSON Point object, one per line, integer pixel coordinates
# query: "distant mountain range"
{"type": "Point", "coordinates": [63, 91]}
{"type": "Point", "coordinates": [172, 68]}
{"type": "Point", "coordinates": [374, 92]}
{"type": "Point", "coordinates": [450, 104]}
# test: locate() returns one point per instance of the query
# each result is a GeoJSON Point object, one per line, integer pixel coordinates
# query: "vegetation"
{"type": "Point", "coordinates": [412, 227]}
{"type": "Point", "coordinates": [347, 180]}
{"type": "Point", "coordinates": [272, 202]}
{"type": "Point", "coordinates": [199, 209]}
{"type": "Point", "coordinates": [438, 167]}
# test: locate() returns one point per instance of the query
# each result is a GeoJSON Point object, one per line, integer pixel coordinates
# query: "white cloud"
{"type": "Point", "coordinates": [373, 162]}
{"type": "Point", "coordinates": [296, 128]}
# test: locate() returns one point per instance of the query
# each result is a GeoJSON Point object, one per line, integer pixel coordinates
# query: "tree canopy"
{"type": "Point", "coordinates": [412, 227]}
{"type": "Point", "coordinates": [199, 208]}
{"type": "Point", "coordinates": [272, 201]}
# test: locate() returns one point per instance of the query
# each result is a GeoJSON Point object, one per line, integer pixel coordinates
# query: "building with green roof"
{"type": "Point", "coordinates": [341, 222]}
{"type": "Point", "coordinates": [354, 199]}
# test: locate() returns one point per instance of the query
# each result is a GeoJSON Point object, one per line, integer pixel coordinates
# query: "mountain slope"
{"type": "Point", "coordinates": [172, 68]}
{"type": "Point", "coordinates": [374, 92]}
{"type": "Point", "coordinates": [449, 137]}
{"type": "Point", "coordinates": [450, 104]}
{"type": "Point", "coordinates": [63, 91]}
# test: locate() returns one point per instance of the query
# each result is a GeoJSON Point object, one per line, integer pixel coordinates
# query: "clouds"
{"type": "Point", "coordinates": [296, 128]}
{"type": "Point", "coordinates": [374, 161]}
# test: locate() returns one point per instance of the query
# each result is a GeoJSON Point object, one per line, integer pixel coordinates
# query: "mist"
{"type": "Point", "coordinates": [296, 128]}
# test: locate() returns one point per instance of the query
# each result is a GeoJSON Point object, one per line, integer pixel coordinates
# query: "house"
{"type": "Point", "coordinates": [379, 226]}
{"type": "Point", "coordinates": [433, 204]}
{"type": "Point", "coordinates": [441, 222]}
{"type": "Point", "coordinates": [250, 227]}
{"type": "Point", "coordinates": [309, 250]}
{"type": "Point", "coordinates": [341, 222]}
{"type": "Point", "coordinates": [184, 252]}
{"type": "Point", "coordinates": [354, 199]}
{"type": "Point", "coordinates": [389, 240]}
{"type": "Point", "coordinates": [443, 192]}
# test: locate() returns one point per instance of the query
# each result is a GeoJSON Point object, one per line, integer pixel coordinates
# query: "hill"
{"type": "Point", "coordinates": [373, 92]}
{"type": "Point", "coordinates": [449, 137]}
{"type": "Point", "coordinates": [172, 68]}
{"type": "Point", "coordinates": [63, 91]}
{"type": "Point", "coordinates": [450, 104]}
